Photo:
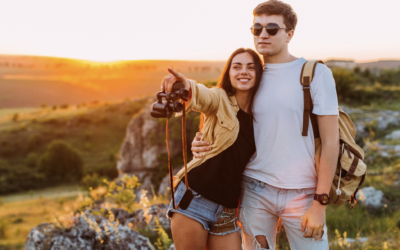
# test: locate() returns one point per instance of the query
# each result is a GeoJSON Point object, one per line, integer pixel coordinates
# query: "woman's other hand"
{"type": "Point", "coordinates": [171, 79]}
{"type": "Point", "coordinates": [199, 146]}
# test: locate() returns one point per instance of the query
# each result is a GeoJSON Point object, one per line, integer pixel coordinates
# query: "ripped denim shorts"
{"type": "Point", "coordinates": [215, 218]}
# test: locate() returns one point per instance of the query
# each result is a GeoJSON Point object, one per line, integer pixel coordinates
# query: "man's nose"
{"type": "Point", "coordinates": [264, 33]}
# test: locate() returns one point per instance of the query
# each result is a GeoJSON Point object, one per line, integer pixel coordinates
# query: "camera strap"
{"type": "Point", "coordinates": [170, 170]}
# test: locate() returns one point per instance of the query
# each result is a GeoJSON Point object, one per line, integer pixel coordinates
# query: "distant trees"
{"type": "Point", "coordinates": [15, 117]}
{"type": "Point", "coordinates": [345, 80]}
{"type": "Point", "coordinates": [61, 163]}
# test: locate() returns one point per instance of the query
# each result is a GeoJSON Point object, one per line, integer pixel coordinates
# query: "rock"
{"type": "Point", "coordinates": [164, 188]}
{"type": "Point", "coordinates": [388, 119]}
{"type": "Point", "coordinates": [143, 145]}
{"type": "Point", "coordinates": [395, 135]}
{"type": "Point", "coordinates": [88, 229]}
{"type": "Point", "coordinates": [370, 197]}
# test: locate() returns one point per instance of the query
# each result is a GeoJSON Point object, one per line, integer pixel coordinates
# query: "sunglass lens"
{"type": "Point", "coordinates": [256, 29]}
{"type": "Point", "coordinates": [272, 29]}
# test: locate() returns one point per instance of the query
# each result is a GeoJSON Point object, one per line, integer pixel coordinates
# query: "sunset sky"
{"type": "Point", "coordinates": [99, 30]}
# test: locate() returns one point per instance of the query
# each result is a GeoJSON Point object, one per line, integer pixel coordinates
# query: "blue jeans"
{"type": "Point", "coordinates": [261, 207]}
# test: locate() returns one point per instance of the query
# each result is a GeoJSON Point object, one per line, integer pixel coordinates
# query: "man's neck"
{"type": "Point", "coordinates": [284, 57]}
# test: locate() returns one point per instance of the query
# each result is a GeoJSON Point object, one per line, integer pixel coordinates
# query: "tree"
{"type": "Point", "coordinates": [345, 81]}
{"type": "Point", "coordinates": [61, 163]}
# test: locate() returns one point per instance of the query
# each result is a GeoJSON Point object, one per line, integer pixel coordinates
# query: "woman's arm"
{"type": "Point", "coordinates": [201, 98]}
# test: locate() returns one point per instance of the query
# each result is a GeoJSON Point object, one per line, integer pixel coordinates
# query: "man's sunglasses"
{"type": "Point", "coordinates": [272, 29]}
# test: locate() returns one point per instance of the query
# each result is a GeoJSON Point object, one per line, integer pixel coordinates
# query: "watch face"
{"type": "Point", "coordinates": [325, 199]}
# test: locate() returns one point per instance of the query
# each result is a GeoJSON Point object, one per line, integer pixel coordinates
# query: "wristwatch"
{"type": "Point", "coordinates": [322, 198]}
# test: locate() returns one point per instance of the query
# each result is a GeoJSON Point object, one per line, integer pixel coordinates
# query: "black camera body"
{"type": "Point", "coordinates": [166, 108]}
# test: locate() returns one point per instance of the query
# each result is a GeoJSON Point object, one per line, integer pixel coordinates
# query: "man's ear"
{"type": "Point", "coordinates": [290, 35]}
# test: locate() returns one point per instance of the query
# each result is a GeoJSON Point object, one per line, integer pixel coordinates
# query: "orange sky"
{"type": "Point", "coordinates": [100, 30]}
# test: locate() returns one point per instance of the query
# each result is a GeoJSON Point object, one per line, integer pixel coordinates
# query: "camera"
{"type": "Point", "coordinates": [166, 108]}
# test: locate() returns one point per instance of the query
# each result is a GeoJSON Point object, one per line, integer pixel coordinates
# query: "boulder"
{"type": "Point", "coordinates": [370, 197]}
{"type": "Point", "coordinates": [164, 188]}
{"type": "Point", "coordinates": [395, 135]}
{"type": "Point", "coordinates": [97, 232]}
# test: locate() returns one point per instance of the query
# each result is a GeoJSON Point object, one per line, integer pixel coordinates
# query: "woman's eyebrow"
{"type": "Point", "coordinates": [241, 63]}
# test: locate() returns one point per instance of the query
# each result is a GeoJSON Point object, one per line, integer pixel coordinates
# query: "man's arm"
{"type": "Point", "coordinates": [314, 218]}
{"type": "Point", "coordinates": [199, 146]}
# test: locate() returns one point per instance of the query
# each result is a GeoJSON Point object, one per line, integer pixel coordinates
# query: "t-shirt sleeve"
{"type": "Point", "coordinates": [323, 92]}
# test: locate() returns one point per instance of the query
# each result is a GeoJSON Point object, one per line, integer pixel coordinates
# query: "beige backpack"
{"type": "Point", "coordinates": [351, 170]}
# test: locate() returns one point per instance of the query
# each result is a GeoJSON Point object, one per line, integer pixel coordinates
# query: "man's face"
{"type": "Point", "coordinates": [266, 44]}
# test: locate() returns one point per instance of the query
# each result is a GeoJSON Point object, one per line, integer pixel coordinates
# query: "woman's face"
{"type": "Point", "coordinates": [242, 72]}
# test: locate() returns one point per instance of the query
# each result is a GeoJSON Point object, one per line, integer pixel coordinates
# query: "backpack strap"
{"type": "Point", "coordinates": [306, 77]}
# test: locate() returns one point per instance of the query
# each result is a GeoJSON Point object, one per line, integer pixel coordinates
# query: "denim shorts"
{"type": "Point", "coordinates": [215, 218]}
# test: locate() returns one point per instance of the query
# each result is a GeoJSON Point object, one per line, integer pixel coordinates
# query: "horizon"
{"type": "Point", "coordinates": [191, 60]}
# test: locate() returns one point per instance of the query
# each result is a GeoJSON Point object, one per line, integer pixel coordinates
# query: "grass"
{"type": "Point", "coordinates": [50, 192]}
{"type": "Point", "coordinates": [20, 212]}
{"type": "Point", "coordinates": [95, 130]}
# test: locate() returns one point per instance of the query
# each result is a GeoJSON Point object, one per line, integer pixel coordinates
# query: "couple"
{"type": "Point", "coordinates": [253, 148]}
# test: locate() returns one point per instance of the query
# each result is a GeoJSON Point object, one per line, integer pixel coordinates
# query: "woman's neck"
{"type": "Point", "coordinates": [243, 99]}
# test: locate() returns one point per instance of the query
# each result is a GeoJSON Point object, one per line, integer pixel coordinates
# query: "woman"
{"type": "Point", "coordinates": [215, 178]}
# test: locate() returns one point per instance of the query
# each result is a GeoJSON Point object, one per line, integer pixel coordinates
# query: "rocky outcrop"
{"type": "Point", "coordinates": [98, 232]}
{"type": "Point", "coordinates": [144, 149]}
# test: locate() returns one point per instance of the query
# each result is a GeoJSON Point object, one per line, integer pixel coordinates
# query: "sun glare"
{"type": "Point", "coordinates": [105, 31]}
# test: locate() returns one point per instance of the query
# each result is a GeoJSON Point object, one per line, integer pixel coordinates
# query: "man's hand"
{"type": "Point", "coordinates": [171, 79]}
{"type": "Point", "coordinates": [314, 221]}
{"type": "Point", "coordinates": [199, 146]}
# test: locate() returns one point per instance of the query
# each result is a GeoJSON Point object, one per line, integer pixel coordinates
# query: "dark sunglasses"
{"type": "Point", "coordinates": [272, 29]}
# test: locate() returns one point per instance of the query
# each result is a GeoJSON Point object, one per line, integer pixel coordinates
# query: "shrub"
{"type": "Point", "coordinates": [32, 160]}
{"type": "Point", "coordinates": [33, 142]}
{"type": "Point", "coordinates": [92, 180]}
{"type": "Point", "coordinates": [106, 169]}
{"type": "Point", "coordinates": [18, 178]}
{"type": "Point", "coordinates": [345, 81]}
{"type": "Point", "coordinates": [61, 163]}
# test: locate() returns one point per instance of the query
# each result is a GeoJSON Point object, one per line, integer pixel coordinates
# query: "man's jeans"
{"type": "Point", "coordinates": [262, 205]}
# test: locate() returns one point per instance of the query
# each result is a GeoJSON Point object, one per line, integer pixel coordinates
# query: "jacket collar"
{"type": "Point", "coordinates": [233, 101]}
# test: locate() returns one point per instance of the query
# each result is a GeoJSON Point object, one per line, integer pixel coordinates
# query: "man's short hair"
{"type": "Point", "coordinates": [276, 7]}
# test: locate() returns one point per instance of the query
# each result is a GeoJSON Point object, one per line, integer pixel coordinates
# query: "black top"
{"type": "Point", "coordinates": [218, 178]}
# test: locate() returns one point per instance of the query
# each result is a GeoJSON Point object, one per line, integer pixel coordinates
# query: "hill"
{"type": "Point", "coordinates": [29, 81]}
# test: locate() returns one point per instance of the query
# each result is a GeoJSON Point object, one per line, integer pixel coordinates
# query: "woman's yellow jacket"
{"type": "Point", "coordinates": [221, 126]}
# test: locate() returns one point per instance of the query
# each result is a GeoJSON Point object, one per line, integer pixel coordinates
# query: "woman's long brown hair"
{"type": "Point", "coordinates": [224, 81]}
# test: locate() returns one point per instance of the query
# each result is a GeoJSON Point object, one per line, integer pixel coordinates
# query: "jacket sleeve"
{"type": "Point", "coordinates": [203, 99]}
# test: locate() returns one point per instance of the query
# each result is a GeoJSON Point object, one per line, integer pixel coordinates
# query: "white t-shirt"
{"type": "Point", "coordinates": [285, 158]}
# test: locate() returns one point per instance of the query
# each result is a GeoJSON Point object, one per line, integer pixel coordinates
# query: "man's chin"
{"type": "Point", "coordinates": [264, 52]}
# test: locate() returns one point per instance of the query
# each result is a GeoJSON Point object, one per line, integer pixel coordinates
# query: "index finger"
{"type": "Point", "coordinates": [176, 74]}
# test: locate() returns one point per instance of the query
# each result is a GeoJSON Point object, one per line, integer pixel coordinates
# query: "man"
{"type": "Point", "coordinates": [280, 181]}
